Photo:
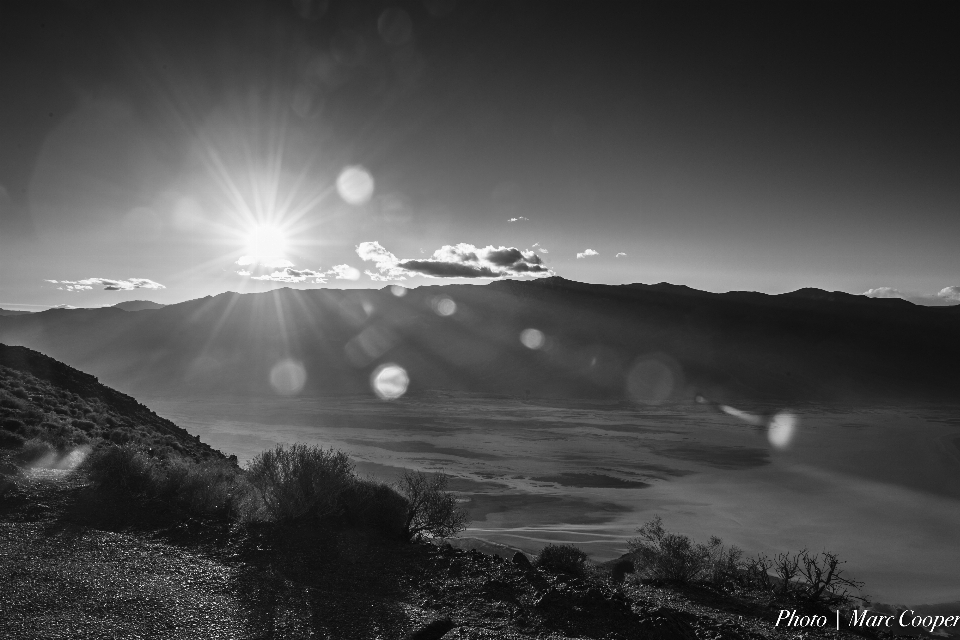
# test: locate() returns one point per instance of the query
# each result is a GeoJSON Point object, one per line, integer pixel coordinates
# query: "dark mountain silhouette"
{"type": "Point", "coordinates": [10, 312]}
{"type": "Point", "coordinates": [805, 345]}
{"type": "Point", "coordinates": [138, 305]}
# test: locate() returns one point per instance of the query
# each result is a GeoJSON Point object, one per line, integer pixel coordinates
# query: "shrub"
{"type": "Point", "coordinates": [11, 403]}
{"type": "Point", "coordinates": [562, 558]}
{"type": "Point", "coordinates": [124, 468]}
{"type": "Point", "coordinates": [431, 510]}
{"type": "Point", "coordinates": [11, 440]}
{"type": "Point", "coordinates": [375, 505]}
{"type": "Point", "coordinates": [815, 579]}
{"type": "Point", "coordinates": [84, 425]}
{"type": "Point", "coordinates": [670, 557]}
{"type": "Point", "coordinates": [212, 489]}
{"type": "Point", "coordinates": [12, 424]}
{"type": "Point", "coordinates": [300, 481]}
{"type": "Point", "coordinates": [33, 416]}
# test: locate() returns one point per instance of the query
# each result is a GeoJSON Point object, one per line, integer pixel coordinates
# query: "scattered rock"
{"type": "Point", "coordinates": [433, 631]}
{"type": "Point", "coordinates": [522, 561]}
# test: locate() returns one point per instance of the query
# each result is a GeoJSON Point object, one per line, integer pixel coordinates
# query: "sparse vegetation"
{"type": "Point", "coordinates": [814, 580]}
{"type": "Point", "coordinates": [212, 489]}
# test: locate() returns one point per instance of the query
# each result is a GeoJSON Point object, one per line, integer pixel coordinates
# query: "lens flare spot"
{"type": "Point", "coordinates": [532, 338]}
{"type": "Point", "coordinates": [398, 291]}
{"type": "Point", "coordinates": [444, 306]}
{"type": "Point", "coordinates": [355, 185]}
{"type": "Point", "coordinates": [782, 429]}
{"type": "Point", "coordinates": [287, 377]}
{"type": "Point", "coordinates": [650, 381]}
{"type": "Point", "coordinates": [389, 381]}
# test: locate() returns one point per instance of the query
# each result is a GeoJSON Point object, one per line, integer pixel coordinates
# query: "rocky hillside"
{"type": "Point", "coordinates": [44, 400]}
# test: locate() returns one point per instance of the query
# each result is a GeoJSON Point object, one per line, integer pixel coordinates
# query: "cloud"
{"type": "Point", "coordinates": [950, 293]}
{"type": "Point", "coordinates": [946, 296]}
{"type": "Point", "coordinates": [383, 260]}
{"type": "Point", "coordinates": [883, 292]}
{"type": "Point", "coordinates": [519, 219]}
{"type": "Point", "coordinates": [290, 274]}
{"type": "Point", "coordinates": [587, 252]}
{"type": "Point", "coordinates": [344, 272]}
{"type": "Point", "coordinates": [620, 255]}
{"type": "Point", "coordinates": [540, 248]}
{"type": "Point", "coordinates": [109, 284]}
{"type": "Point", "coordinates": [454, 261]}
{"type": "Point", "coordinates": [63, 306]}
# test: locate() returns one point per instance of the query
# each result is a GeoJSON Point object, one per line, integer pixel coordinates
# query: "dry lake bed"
{"type": "Point", "coordinates": [878, 485]}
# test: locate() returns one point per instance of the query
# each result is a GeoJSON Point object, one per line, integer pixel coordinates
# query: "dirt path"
{"type": "Point", "coordinates": [63, 581]}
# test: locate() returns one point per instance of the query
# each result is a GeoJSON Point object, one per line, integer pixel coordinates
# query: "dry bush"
{"type": "Point", "coordinates": [431, 510]}
{"type": "Point", "coordinates": [562, 558]}
{"type": "Point", "coordinates": [300, 481]}
{"type": "Point", "coordinates": [815, 579]}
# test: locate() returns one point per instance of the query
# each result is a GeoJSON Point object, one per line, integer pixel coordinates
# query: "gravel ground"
{"type": "Point", "coordinates": [74, 582]}
{"type": "Point", "coordinates": [62, 578]}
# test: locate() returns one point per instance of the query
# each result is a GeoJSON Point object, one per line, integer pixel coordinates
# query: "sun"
{"type": "Point", "coordinates": [266, 241]}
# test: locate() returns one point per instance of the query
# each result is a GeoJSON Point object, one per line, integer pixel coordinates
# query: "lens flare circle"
{"type": "Point", "coordinates": [650, 381]}
{"type": "Point", "coordinates": [782, 429]}
{"type": "Point", "coordinates": [532, 338]}
{"type": "Point", "coordinates": [389, 381]}
{"type": "Point", "coordinates": [444, 306]}
{"type": "Point", "coordinates": [355, 185]}
{"type": "Point", "coordinates": [287, 377]}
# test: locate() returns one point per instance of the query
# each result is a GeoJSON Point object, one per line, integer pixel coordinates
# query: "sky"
{"type": "Point", "coordinates": [172, 150]}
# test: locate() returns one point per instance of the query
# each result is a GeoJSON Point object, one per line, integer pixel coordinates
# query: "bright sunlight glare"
{"type": "Point", "coordinates": [265, 241]}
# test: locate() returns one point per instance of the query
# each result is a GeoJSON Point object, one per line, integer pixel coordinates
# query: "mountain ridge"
{"type": "Point", "coordinates": [799, 346]}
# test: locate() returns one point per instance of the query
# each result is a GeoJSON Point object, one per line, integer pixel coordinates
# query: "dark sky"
{"type": "Point", "coordinates": [724, 145]}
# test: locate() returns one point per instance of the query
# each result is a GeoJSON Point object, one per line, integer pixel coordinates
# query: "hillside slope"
{"type": "Point", "coordinates": [46, 399]}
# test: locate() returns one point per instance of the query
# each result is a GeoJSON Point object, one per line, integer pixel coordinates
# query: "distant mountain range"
{"type": "Point", "coordinates": [129, 305]}
{"type": "Point", "coordinates": [138, 305]}
{"type": "Point", "coordinates": [646, 343]}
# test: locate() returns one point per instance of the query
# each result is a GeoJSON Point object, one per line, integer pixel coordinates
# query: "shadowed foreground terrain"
{"type": "Point", "coordinates": [77, 561]}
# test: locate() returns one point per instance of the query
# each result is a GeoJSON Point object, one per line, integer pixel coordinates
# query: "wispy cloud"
{"type": "Point", "coordinates": [289, 274]}
{"type": "Point", "coordinates": [519, 219]}
{"type": "Point", "coordinates": [586, 253]}
{"type": "Point", "coordinates": [109, 284]}
{"type": "Point", "coordinates": [620, 255]}
{"type": "Point", "coordinates": [946, 296]}
{"type": "Point", "coordinates": [454, 261]}
{"type": "Point", "coordinates": [285, 271]}
{"type": "Point", "coordinates": [540, 248]}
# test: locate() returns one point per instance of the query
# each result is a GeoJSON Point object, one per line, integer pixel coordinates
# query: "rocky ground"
{"type": "Point", "coordinates": [73, 567]}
